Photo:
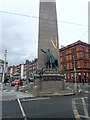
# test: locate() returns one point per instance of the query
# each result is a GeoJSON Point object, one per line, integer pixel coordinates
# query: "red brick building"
{"type": "Point", "coordinates": [26, 71]}
{"type": "Point", "coordinates": [80, 52]}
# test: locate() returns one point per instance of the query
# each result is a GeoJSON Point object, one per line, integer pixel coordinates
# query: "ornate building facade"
{"type": "Point", "coordinates": [78, 52]}
{"type": "Point", "coordinates": [23, 71]}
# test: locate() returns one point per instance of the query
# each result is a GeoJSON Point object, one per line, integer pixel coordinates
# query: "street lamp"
{"type": "Point", "coordinates": [74, 68]}
{"type": "Point", "coordinates": [75, 85]}
{"type": "Point", "coordinates": [4, 69]}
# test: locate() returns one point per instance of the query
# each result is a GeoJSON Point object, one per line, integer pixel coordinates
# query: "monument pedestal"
{"type": "Point", "coordinates": [51, 81]}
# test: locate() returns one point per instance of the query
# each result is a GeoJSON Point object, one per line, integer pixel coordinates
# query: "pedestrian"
{"type": "Point", "coordinates": [26, 81]}
{"type": "Point", "coordinates": [82, 80]}
{"type": "Point", "coordinates": [73, 81]}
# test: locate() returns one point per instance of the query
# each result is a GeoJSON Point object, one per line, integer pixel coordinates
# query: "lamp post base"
{"type": "Point", "coordinates": [75, 89]}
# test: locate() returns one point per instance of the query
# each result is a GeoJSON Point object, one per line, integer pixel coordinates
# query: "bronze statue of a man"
{"type": "Point", "coordinates": [50, 61]}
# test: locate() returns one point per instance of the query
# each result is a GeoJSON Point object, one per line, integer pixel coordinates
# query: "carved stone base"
{"type": "Point", "coordinates": [52, 81]}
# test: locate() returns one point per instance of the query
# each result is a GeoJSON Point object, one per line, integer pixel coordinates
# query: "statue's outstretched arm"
{"type": "Point", "coordinates": [43, 51]}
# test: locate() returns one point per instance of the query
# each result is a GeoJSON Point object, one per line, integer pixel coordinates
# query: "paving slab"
{"type": "Point", "coordinates": [12, 95]}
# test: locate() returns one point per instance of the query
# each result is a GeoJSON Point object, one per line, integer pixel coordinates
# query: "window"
{"type": "Point", "coordinates": [83, 48]}
{"type": "Point", "coordinates": [85, 64]}
{"type": "Point", "coordinates": [72, 57]}
{"type": "Point", "coordinates": [75, 55]}
{"type": "Point", "coordinates": [65, 76]}
{"type": "Point", "coordinates": [68, 76]}
{"type": "Point", "coordinates": [84, 54]}
{"type": "Point", "coordinates": [75, 49]}
{"type": "Point", "coordinates": [64, 53]}
{"type": "Point", "coordinates": [76, 65]}
{"type": "Point", "coordinates": [84, 74]}
{"type": "Point", "coordinates": [71, 75]}
{"type": "Point", "coordinates": [79, 73]}
{"type": "Point", "coordinates": [64, 67]}
{"type": "Point", "coordinates": [72, 65]}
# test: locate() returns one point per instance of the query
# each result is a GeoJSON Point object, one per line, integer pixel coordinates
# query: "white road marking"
{"type": "Point", "coordinates": [36, 99]}
{"type": "Point", "coordinates": [83, 116]}
{"type": "Point", "coordinates": [86, 92]}
{"type": "Point", "coordinates": [85, 108]}
{"type": "Point", "coordinates": [24, 86]}
{"type": "Point", "coordinates": [79, 98]}
{"type": "Point", "coordinates": [81, 103]}
{"type": "Point", "coordinates": [85, 97]}
{"type": "Point", "coordinates": [87, 84]}
{"type": "Point", "coordinates": [76, 114]}
{"type": "Point", "coordinates": [23, 113]}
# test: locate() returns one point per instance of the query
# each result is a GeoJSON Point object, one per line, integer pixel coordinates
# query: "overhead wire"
{"type": "Point", "coordinates": [24, 15]}
{"type": "Point", "coordinates": [84, 34]}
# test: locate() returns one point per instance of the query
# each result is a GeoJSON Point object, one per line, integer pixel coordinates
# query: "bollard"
{"type": "Point", "coordinates": [31, 85]}
{"type": "Point", "coordinates": [75, 89]}
{"type": "Point", "coordinates": [16, 87]}
{"type": "Point", "coordinates": [79, 89]}
{"type": "Point", "coordinates": [35, 91]}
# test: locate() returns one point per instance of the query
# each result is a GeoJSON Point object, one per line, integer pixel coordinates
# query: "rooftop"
{"type": "Point", "coordinates": [74, 44]}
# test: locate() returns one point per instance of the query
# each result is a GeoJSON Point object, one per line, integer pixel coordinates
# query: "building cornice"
{"type": "Point", "coordinates": [74, 44]}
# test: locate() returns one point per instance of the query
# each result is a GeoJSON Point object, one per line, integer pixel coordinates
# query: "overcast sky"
{"type": "Point", "coordinates": [20, 33]}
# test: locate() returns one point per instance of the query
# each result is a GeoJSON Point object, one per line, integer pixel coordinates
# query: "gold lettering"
{"type": "Point", "coordinates": [54, 45]}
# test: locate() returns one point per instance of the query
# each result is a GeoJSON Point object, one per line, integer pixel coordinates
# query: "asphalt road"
{"type": "Point", "coordinates": [74, 107]}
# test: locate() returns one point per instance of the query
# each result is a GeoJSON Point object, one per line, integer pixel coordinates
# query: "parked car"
{"type": "Point", "coordinates": [17, 82]}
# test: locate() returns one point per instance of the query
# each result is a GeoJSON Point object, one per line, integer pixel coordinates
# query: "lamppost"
{"type": "Point", "coordinates": [4, 69]}
{"type": "Point", "coordinates": [74, 69]}
{"type": "Point", "coordinates": [75, 84]}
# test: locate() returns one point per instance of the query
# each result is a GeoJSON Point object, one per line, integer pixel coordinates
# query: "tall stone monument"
{"type": "Point", "coordinates": [48, 31]}
{"type": "Point", "coordinates": [48, 77]}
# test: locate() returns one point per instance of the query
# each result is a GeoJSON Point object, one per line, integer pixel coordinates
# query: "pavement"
{"type": "Point", "coordinates": [12, 95]}
{"type": "Point", "coordinates": [8, 95]}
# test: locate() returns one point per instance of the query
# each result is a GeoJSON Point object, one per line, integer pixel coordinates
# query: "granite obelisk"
{"type": "Point", "coordinates": [48, 31]}
{"type": "Point", "coordinates": [48, 77]}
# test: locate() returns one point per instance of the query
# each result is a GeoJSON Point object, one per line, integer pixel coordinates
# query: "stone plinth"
{"type": "Point", "coordinates": [50, 82]}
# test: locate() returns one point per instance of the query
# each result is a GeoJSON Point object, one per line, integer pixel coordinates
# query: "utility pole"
{"type": "Point", "coordinates": [75, 85]}
{"type": "Point", "coordinates": [74, 68]}
{"type": "Point", "coordinates": [4, 69]}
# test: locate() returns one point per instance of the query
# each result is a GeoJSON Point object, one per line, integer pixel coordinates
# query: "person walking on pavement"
{"type": "Point", "coordinates": [73, 81]}
{"type": "Point", "coordinates": [82, 80]}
